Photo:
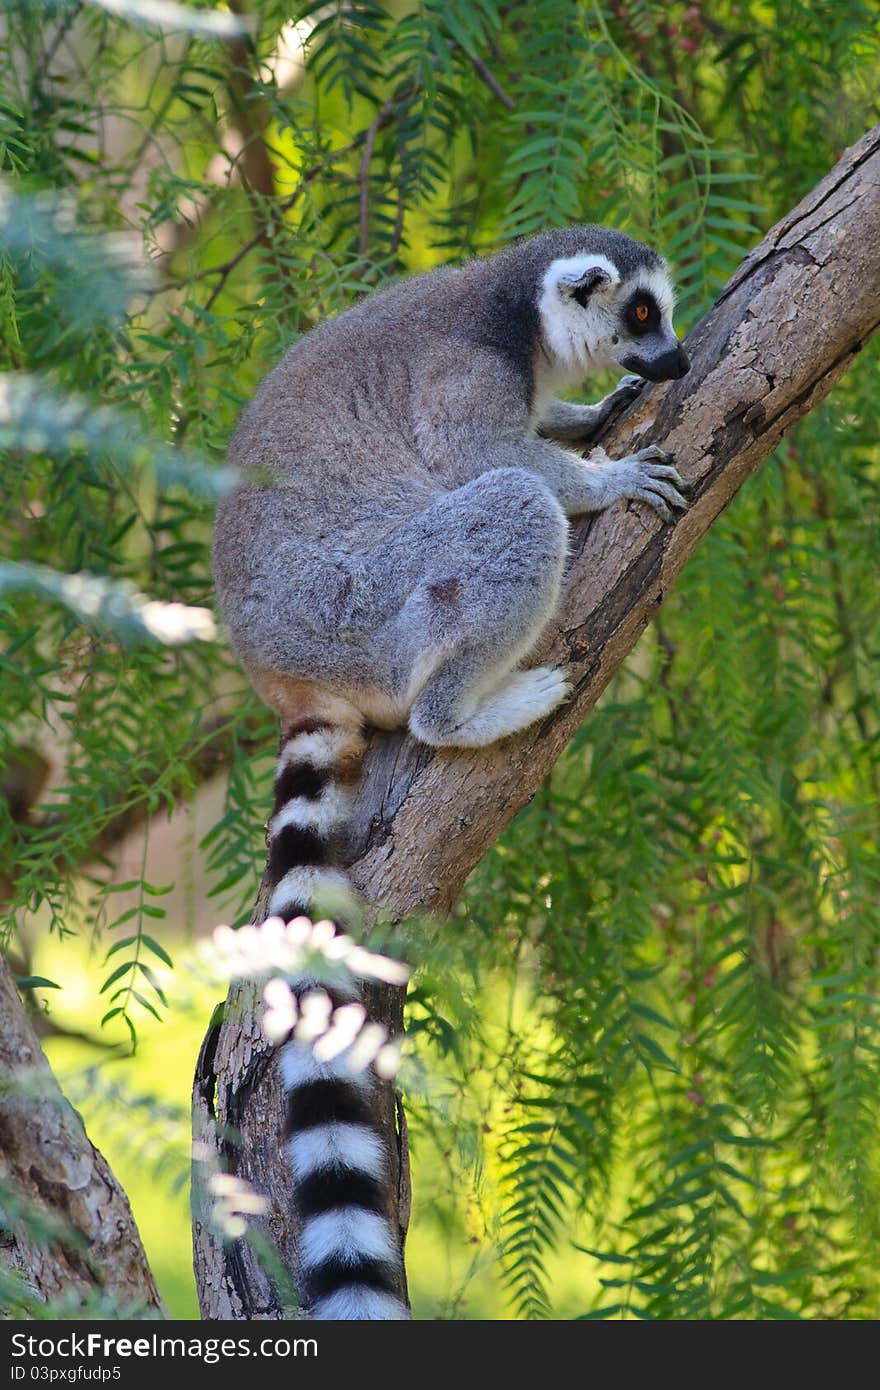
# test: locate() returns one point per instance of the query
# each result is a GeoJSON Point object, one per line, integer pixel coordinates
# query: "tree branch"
{"type": "Point", "coordinates": [485, 74]}
{"type": "Point", "coordinates": [783, 331]}
{"type": "Point", "coordinates": [60, 1179]}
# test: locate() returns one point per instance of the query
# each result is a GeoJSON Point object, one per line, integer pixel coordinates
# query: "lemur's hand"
{"type": "Point", "coordinates": [596, 416]}
{"type": "Point", "coordinates": [626, 389]}
{"type": "Point", "coordinates": [648, 476]}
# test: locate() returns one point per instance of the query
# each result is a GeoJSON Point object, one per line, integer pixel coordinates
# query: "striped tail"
{"type": "Point", "coordinates": [350, 1254]}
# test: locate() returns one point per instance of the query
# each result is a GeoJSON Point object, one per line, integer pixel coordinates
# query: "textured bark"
{"type": "Point", "coordinates": [52, 1169]}
{"type": "Point", "coordinates": [784, 330]}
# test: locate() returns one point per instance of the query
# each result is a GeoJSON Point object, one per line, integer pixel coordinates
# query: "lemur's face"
{"type": "Point", "coordinates": [594, 318]}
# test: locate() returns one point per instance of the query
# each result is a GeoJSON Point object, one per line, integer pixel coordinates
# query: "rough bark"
{"type": "Point", "coordinates": [782, 333]}
{"type": "Point", "coordinates": [51, 1169]}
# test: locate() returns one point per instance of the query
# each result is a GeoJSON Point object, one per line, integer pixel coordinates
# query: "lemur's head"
{"type": "Point", "coordinates": [610, 307]}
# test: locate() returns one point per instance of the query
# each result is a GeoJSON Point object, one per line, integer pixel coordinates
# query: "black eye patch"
{"type": "Point", "coordinates": [641, 313]}
{"type": "Point", "coordinates": [591, 281]}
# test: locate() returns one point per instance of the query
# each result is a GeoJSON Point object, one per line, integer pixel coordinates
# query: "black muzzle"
{"type": "Point", "coordinates": [668, 366]}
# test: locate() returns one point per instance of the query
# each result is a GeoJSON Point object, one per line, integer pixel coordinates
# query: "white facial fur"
{"type": "Point", "coordinates": [581, 340]}
{"type": "Point", "coordinates": [571, 331]}
{"type": "Point", "coordinates": [658, 283]}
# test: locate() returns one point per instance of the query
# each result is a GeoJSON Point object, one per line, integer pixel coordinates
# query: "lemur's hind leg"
{"type": "Point", "coordinates": [453, 711]}
{"type": "Point", "coordinates": [490, 561]}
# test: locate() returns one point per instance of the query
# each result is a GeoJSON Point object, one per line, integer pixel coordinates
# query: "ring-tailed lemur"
{"type": "Point", "coordinates": [390, 555]}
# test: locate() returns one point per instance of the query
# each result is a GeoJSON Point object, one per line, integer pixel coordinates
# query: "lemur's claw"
{"type": "Point", "coordinates": [626, 389]}
{"type": "Point", "coordinates": [652, 453]}
{"type": "Point", "coordinates": [657, 482]}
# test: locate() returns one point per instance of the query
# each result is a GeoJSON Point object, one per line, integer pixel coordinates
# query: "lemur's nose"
{"type": "Point", "coordinates": [669, 366]}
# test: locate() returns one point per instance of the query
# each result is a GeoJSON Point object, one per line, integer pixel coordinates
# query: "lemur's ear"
{"type": "Point", "coordinates": [582, 284]}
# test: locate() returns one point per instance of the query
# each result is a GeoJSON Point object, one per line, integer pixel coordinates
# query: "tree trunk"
{"type": "Point", "coordinates": [783, 331]}
{"type": "Point", "coordinates": [53, 1178]}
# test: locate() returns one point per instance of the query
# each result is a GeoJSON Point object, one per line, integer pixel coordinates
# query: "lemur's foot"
{"type": "Point", "coordinates": [649, 476]}
{"type": "Point", "coordinates": [525, 697]}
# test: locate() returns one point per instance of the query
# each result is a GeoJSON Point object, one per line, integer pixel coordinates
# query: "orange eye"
{"type": "Point", "coordinates": [641, 312]}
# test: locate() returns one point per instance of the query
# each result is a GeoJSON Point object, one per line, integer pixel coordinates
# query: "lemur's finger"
{"type": "Point", "coordinates": [665, 471]}
{"type": "Point", "coordinates": [643, 495]}
{"type": "Point", "coordinates": [672, 475]}
{"type": "Point", "coordinates": [666, 490]}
